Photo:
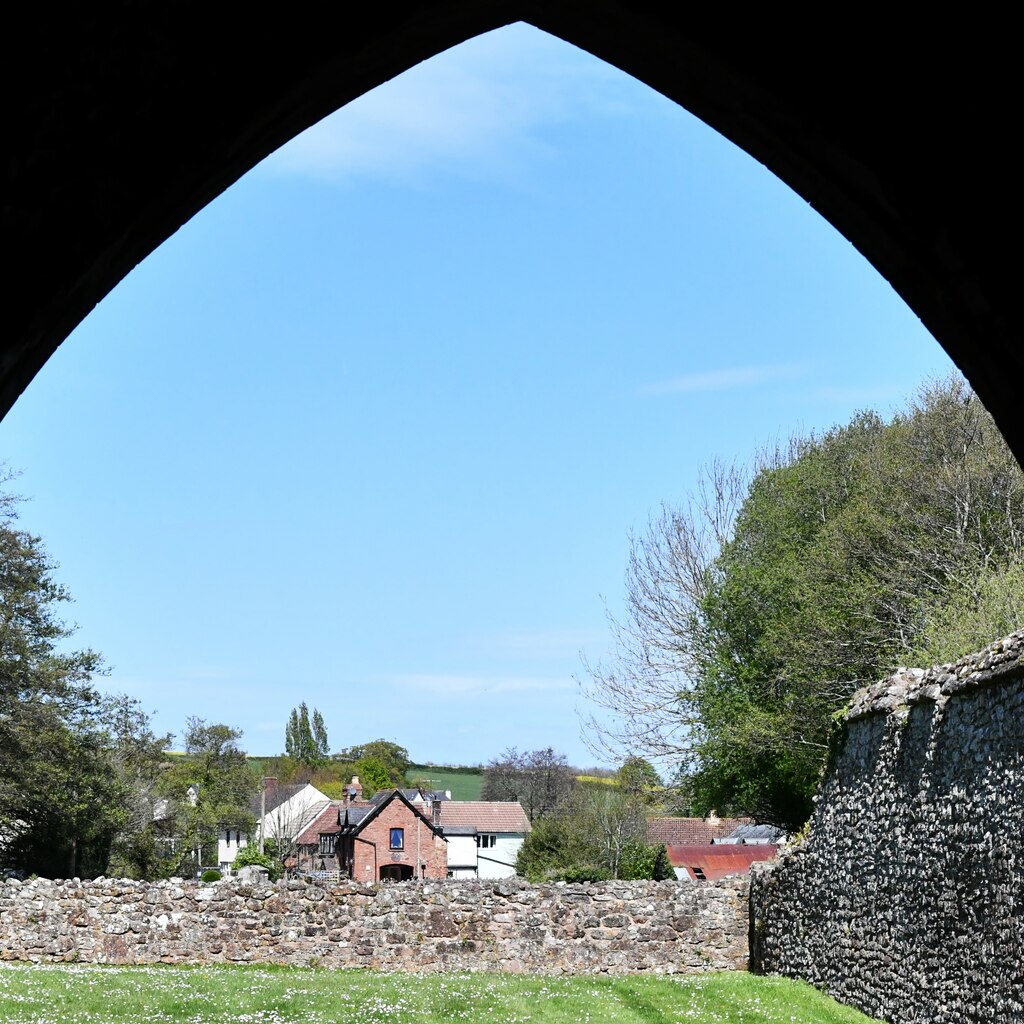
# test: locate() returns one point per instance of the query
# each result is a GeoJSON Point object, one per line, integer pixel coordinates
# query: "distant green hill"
{"type": "Point", "coordinates": [465, 783]}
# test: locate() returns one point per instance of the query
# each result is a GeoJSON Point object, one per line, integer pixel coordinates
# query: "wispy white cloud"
{"type": "Point", "coordinates": [863, 395]}
{"type": "Point", "coordinates": [174, 680]}
{"type": "Point", "coordinates": [265, 728]}
{"type": "Point", "coordinates": [208, 673]}
{"type": "Point", "coordinates": [540, 643]}
{"type": "Point", "coordinates": [731, 378]}
{"type": "Point", "coordinates": [479, 110]}
{"type": "Point", "coordinates": [471, 685]}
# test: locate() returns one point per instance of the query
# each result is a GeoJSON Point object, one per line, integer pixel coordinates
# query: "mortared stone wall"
{"type": "Point", "coordinates": [451, 925]}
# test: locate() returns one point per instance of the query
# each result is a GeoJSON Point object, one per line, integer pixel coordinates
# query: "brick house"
{"type": "Point", "coordinates": [386, 839]}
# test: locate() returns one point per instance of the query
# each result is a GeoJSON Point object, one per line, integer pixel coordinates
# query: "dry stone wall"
{"type": "Point", "coordinates": [907, 897]}
{"type": "Point", "coordinates": [614, 927]}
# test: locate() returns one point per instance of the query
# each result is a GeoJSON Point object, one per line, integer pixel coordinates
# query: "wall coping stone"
{"type": "Point", "coordinates": [998, 662]}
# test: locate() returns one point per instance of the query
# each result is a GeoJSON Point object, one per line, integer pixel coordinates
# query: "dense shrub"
{"type": "Point", "coordinates": [583, 873]}
{"type": "Point", "coordinates": [250, 855]}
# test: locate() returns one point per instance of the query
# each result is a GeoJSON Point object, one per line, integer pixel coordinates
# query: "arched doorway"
{"type": "Point", "coordinates": [395, 872]}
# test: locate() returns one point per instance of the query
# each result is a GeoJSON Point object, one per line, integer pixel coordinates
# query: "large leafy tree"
{"type": "Point", "coordinates": [374, 755]}
{"type": "Point", "coordinates": [78, 768]}
{"type": "Point", "coordinates": [757, 609]}
{"type": "Point", "coordinates": [55, 782]}
{"type": "Point", "coordinates": [138, 759]}
{"type": "Point", "coordinates": [211, 787]}
{"type": "Point", "coordinates": [593, 832]}
{"type": "Point", "coordinates": [538, 779]}
{"type": "Point", "coordinates": [639, 778]}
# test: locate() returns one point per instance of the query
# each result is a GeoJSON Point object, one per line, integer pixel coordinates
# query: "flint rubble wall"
{"type": "Point", "coordinates": [907, 898]}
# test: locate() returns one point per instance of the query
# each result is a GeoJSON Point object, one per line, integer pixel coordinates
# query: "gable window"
{"type": "Point", "coordinates": [397, 840]}
{"type": "Point", "coordinates": [486, 841]}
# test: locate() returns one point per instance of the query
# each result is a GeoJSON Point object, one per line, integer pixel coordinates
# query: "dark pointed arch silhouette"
{"type": "Point", "coordinates": [125, 119]}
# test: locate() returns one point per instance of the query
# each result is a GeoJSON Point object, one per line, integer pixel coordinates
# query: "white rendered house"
{"type": "Point", "coordinates": [281, 813]}
{"type": "Point", "coordinates": [484, 837]}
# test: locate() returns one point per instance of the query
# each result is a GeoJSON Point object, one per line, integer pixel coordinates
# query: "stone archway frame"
{"type": "Point", "coordinates": [124, 120]}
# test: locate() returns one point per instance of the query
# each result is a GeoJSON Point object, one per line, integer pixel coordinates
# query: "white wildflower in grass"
{"type": "Point", "coordinates": [80, 994]}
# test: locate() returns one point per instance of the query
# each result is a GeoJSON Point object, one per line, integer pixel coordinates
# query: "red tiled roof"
{"type": "Point", "coordinates": [691, 830]}
{"type": "Point", "coordinates": [719, 860]}
{"type": "Point", "coordinates": [486, 815]}
{"type": "Point", "coordinates": [326, 821]}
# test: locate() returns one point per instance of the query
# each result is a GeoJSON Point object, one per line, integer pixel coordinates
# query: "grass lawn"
{"type": "Point", "coordinates": [62, 994]}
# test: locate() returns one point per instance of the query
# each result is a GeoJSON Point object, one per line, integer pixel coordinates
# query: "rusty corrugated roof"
{"type": "Point", "coordinates": [717, 861]}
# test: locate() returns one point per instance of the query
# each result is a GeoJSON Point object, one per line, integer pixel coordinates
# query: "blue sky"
{"type": "Point", "coordinates": [371, 431]}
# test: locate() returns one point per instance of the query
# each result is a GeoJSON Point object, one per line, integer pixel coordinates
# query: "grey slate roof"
{"type": "Point", "coordinates": [276, 795]}
{"type": "Point", "coordinates": [381, 795]}
{"type": "Point", "coordinates": [354, 815]}
{"type": "Point", "coordinates": [752, 833]}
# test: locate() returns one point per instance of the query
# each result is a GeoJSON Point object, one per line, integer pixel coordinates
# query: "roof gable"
{"type": "Point", "coordinates": [328, 820]}
{"type": "Point", "coordinates": [277, 795]}
{"type": "Point", "coordinates": [383, 795]}
{"type": "Point", "coordinates": [372, 812]}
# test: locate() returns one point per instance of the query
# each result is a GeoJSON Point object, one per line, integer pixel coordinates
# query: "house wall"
{"type": "Point", "coordinates": [422, 845]}
{"type": "Point", "coordinates": [499, 860]}
{"type": "Point", "coordinates": [283, 823]}
{"type": "Point", "coordinates": [287, 819]}
{"type": "Point", "coordinates": [462, 855]}
{"type": "Point", "coordinates": [465, 860]}
{"type": "Point", "coordinates": [229, 842]}
{"type": "Point", "coordinates": [614, 927]}
{"type": "Point", "coordinates": [905, 899]}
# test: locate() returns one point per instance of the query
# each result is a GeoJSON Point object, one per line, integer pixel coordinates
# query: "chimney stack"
{"type": "Point", "coordinates": [355, 791]}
